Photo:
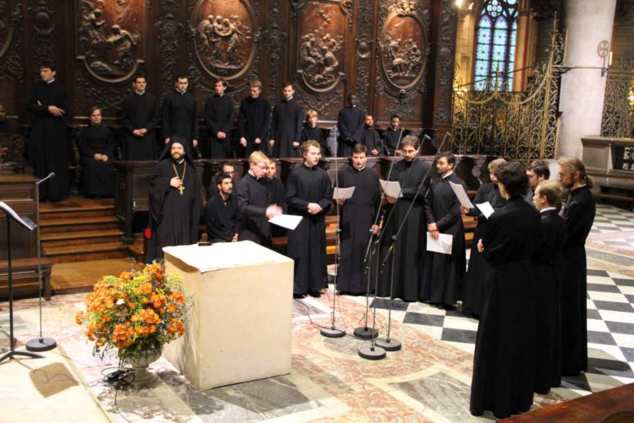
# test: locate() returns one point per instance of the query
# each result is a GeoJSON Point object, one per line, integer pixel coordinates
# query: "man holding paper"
{"type": "Point", "coordinates": [309, 194]}
{"type": "Point", "coordinates": [357, 218]}
{"type": "Point", "coordinates": [255, 202]}
{"type": "Point", "coordinates": [479, 272]}
{"type": "Point", "coordinates": [443, 273]}
{"type": "Point", "coordinates": [409, 248]}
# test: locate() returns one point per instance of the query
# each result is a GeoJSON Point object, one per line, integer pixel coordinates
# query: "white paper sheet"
{"type": "Point", "coordinates": [288, 221]}
{"type": "Point", "coordinates": [462, 195]}
{"type": "Point", "coordinates": [441, 245]}
{"type": "Point", "coordinates": [391, 188]}
{"type": "Point", "coordinates": [26, 222]}
{"type": "Point", "coordinates": [486, 208]}
{"type": "Point", "coordinates": [342, 193]}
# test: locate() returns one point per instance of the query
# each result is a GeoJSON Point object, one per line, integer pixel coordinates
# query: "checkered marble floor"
{"type": "Point", "coordinates": [610, 304]}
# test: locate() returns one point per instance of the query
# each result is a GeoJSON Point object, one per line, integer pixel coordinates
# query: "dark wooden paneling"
{"type": "Point", "coordinates": [396, 55]}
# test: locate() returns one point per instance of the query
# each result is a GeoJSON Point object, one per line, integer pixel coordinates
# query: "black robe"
{"type": "Point", "coordinates": [392, 138]}
{"type": "Point", "coordinates": [307, 243]}
{"type": "Point", "coordinates": [219, 118]}
{"type": "Point", "coordinates": [253, 197]}
{"type": "Point", "coordinates": [578, 213]}
{"type": "Point", "coordinates": [357, 217]}
{"type": "Point", "coordinates": [48, 147]}
{"type": "Point", "coordinates": [174, 217]}
{"type": "Point", "coordinates": [548, 262]}
{"type": "Point", "coordinates": [443, 274]}
{"type": "Point", "coordinates": [476, 280]}
{"type": "Point", "coordinates": [286, 128]}
{"type": "Point", "coordinates": [278, 196]}
{"type": "Point", "coordinates": [504, 359]}
{"type": "Point", "coordinates": [409, 249]}
{"type": "Point", "coordinates": [140, 111]}
{"type": "Point", "coordinates": [317, 134]}
{"type": "Point", "coordinates": [369, 137]}
{"type": "Point", "coordinates": [349, 123]}
{"type": "Point", "coordinates": [180, 119]}
{"type": "Point", "coordinates": [97, 177]}
{"type": "Point", "coordinates": [254, 121]}
{"type": "Point", "coordinates": [222, 218]}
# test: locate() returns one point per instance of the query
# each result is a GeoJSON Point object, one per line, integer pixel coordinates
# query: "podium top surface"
{"type": "Point", "coordinates": [224, 255]}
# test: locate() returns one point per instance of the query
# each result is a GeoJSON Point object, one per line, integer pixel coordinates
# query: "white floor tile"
{"type": "Point", "coordinates": [597, 325]}
{"type": "Point", "coordinates": [623, 340]}
{"type": "Point", "coordinates": [454, 322]}
{"type": "Point", "coordinates": [608, 296]}
{"type": "Point", "coordinates": [617, 316]}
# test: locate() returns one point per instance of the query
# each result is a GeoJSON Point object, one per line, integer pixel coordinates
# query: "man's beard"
{"type": "Point", "coordinates": [177, 157]}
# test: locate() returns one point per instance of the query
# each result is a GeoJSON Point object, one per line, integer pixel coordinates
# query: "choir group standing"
{"type": "Point", "coordinates": [526, 279]}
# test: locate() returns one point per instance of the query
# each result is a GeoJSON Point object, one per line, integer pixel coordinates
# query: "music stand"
{"type": "Point", "coordinates": [10, 214]}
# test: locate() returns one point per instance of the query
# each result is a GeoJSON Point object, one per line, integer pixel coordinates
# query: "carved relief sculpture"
{"type": "Point", "coordinates": [224, 39]}
{"type": "Point", "coordinates": [110, 39]}
{"type": "Point", "coordinates": [402, 45]}
{"type": "Point", "coordinates": [320, 45]}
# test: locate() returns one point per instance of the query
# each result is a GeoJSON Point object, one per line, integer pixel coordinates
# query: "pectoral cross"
{"type": "Point", "coordinates": [181, 188]}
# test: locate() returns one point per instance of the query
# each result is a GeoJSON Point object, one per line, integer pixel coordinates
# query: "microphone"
{"type": "Point", "coordinates": [49, 176]}
{"type": "Point", "coordinates": [425, 136]}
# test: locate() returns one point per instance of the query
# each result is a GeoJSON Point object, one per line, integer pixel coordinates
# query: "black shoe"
{"type": "Point", "coordinates": [299, 296]}
{"type": "Point", "coordinates": [315, 294]}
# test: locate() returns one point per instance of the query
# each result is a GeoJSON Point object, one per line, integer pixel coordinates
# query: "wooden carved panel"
{"type": "Point", "coordinates": [320, 40]}
{"type": "Point", "coordinates": [444, 63]}
{"type": "Point", "coordinates": [404, 47]}
{"type": "Point", "coordinates": [110, 39]}
{"type": "Point", "coordinates": [224, 37]}
{"type": "Point", "coordinates": [11, 50]}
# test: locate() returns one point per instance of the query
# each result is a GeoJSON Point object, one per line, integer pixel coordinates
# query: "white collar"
{"type": "Point", "coordinates": [548, 209]}
{"type": "Point", "coordinates": [448, 174]}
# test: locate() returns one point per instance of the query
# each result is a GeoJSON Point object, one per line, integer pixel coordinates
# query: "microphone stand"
{"type": "Point", "coordinates": [333, 331]}
{"type": "Point", "coordinates": [388, 343]}
{"type": "Point", "coordinates": [40, 344]}
{"type": "Point", "coordinates": [373, 351]}
{"type": "Point", "coordinates": [366, 332]}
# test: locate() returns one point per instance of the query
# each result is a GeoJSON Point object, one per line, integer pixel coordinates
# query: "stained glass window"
{"type": "Point", "coordinates": [496, 35]}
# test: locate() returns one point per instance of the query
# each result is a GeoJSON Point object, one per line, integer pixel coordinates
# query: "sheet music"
{"type": "Point", "coordinates": [288, 221]}
{"type": "Point", "coordinates": [441, 245]}
{"type": "Point", "coordinates": [27, 223]}
{"type": "Point", "coordinates": [486, 208]}
{"type": "Point", "coordinates": [391, 188]}
{"type": "Point", "coordinates": [343, 193]}
{"type": "Point", "coordinates": [462, 195]}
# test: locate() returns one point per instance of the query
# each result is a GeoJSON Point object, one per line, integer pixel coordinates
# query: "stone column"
{"type": "Point", "coordinates": [583, 90]}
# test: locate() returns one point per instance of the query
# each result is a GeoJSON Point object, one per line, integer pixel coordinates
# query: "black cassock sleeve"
{"type": "Point", "coordinates": [210, 119]}
{"type": "Point", "coordinates": [326, 198]}
{"type": "Point", "coordinates": [292, 198]}
{"type": "Point", "coordinates": [264, 131]}
{"type": "Point", "coordinates": [244, 206]}
{"type": "Point", "coordinates": [299, 124]}
{"type": "Point", "coordinates": [166, 113]}
{"type": "Point", "coordinates": [578, 219]}
{"type": "Point", "coordinates": [159, 187]}
{"type": "Point", "coordinates": [274, 123]}
{"type": "Point", "coordinates": [242, 119]}
{"type": "Point", "coordinates": [85, 149]}
{"type": "Point", "coordinates": [194, 118]}
{"type": "Point", "coordinates": [126, 112]}
{"type": "Point", "coordinates": [196, 206]}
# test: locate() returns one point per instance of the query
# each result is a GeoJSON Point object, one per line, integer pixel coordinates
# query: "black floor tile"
{"type": "Point", "coordinates": [603, 338]}
{"type": "Point", "coordinates": [623, 282]}
{"type": "Point", "coordinates": [619, 327]}
{"type": "Point", "coordinates": [459, 335]}
{"type": "Point", "coordinates": [424, 319]}
{"type": "Point", "coordinates": [609, 367]}
{"type": "Point", "coordinates": [628, 353]}
{"type": "Point", "coordinates": [396, 304]}
{"type": "Point", "coordinates": [613, 306]}
{"type": "Point", "coordinates": [596, 272]}
{"type": "Point", "coordinates": [597, 287]}
{"type": "Point", "coordinates": [593, 314]}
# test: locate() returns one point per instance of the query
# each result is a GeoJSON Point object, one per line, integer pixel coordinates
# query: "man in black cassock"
{"type": "Point", "coordinates": [287, 125]}
{"type": "Point", "coordinates": [255, 202]}
{"type": "Point", "coordinates": [479, 272]}
{"type": "Point", "coordinates": [443, 273]}
{"type": "Point", "coordinates": [548, 263]}
{"type": "Point", "coordinates": [578, 212]}
{"type": "Point", "coordinates": [309, 194]}
{"type": "Point", "coordinates": [180, 117]}
{"type": "Point", "coordinates": [349, 123]}
{"type": "Point", "coordinates": [219, 118]}
{"type": "Point", "coordinates": [175, 200]}
{"type": "Point", "coordinates": [369, 137]}
{"type": "Point", "coordinates": [409, 248]}
{"type": "Point", "coordinates": [536, 172]}
{"type": "Point", "coordinates": [393, 135]}
{"type": "Point", "coordinates": [96, 150]}
{"type": "Point", "coordinates": [311, 131]}
{"type": "Point", "coordinates": [357, 220]}
{"type": "Point", "coordinates": [222, 211]}
{"type": "Point", "coordinates": [48, 146]}
{"type": "Point", "coordinates": [139, 119]}
{"type": "Point", "coordinates": [504, 360]}
{"type": "Point", "coordinates": [254, 121]}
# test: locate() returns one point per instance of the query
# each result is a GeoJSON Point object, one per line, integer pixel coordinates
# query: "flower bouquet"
{"type": "Point", "coordinates": [135, 313]}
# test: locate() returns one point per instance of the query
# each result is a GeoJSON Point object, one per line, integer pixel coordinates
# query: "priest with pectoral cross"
{"type": "Point", "coordinates": [175, 201]}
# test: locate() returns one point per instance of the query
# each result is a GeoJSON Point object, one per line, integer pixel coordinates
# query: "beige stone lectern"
{"type": "Point", "coordinates": [239, 327]}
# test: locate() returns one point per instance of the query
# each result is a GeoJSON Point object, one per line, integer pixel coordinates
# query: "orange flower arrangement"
{"type": "Point", "coordinates": [134, 312]}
